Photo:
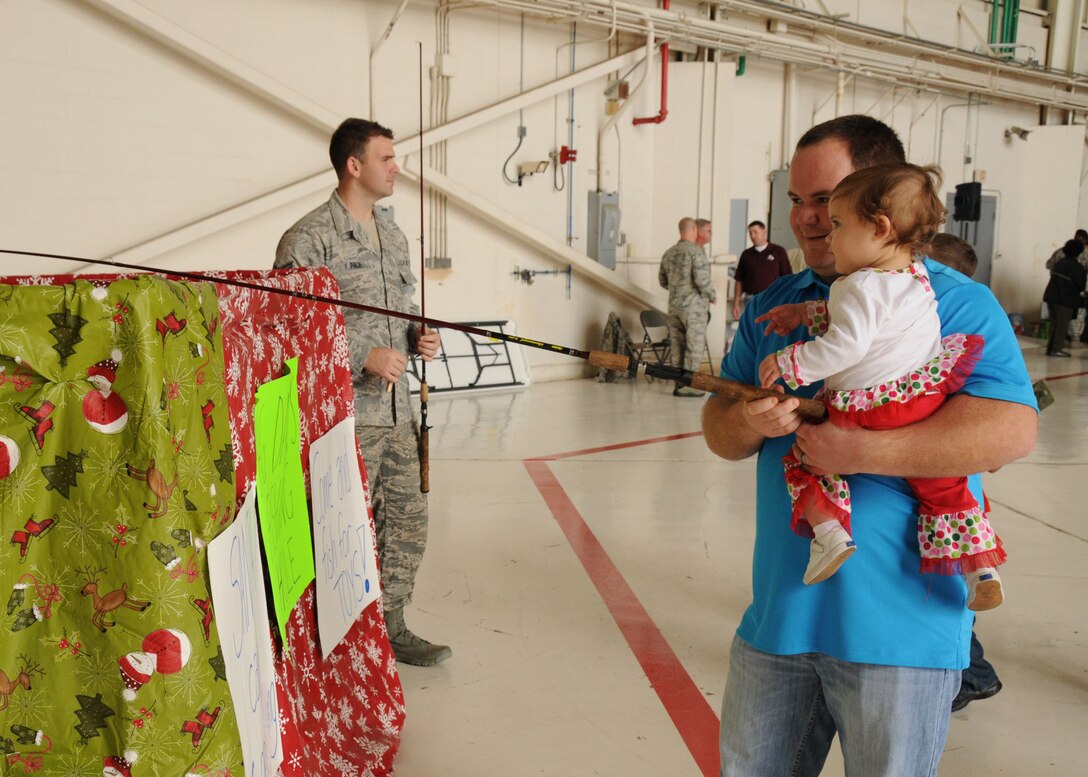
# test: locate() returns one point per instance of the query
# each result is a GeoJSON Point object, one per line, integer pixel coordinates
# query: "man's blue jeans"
{"type": "Point", "coordinates": [781, 713]}
{"type": "Point", "coordinates": [980, 675]}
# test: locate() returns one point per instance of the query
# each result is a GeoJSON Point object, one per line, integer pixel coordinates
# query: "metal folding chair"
{"type": "Point", "coordinates": [655, 337]}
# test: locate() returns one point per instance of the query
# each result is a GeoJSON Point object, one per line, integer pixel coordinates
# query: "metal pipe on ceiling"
{"type": "Point", "coordinates": [835, 45]}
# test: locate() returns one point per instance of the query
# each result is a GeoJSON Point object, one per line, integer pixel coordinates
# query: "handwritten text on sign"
{"type": "Point", "coordinates": [281, 493]}
{"type": "Point", "coordinates": [347, 572]}
{"type": "Point", "coordinates": [241, 616]}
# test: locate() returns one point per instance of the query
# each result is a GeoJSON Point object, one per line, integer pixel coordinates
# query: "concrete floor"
{"type": "Point", "coordinates": [618, 562]}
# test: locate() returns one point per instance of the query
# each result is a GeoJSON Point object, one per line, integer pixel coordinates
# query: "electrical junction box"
{"type": "Point", "coordinates": [446, 64]}
{"type": "Point", "coordinates": [603, 227]}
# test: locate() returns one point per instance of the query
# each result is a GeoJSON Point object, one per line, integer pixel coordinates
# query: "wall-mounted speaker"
{"type": "Point", "coordinates": [967, 206]}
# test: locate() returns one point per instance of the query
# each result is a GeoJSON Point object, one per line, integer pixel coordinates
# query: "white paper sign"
{"type": "Point", "coordinates": [345, 562]}
{"type": "Point", "coordinates": [241, 616]}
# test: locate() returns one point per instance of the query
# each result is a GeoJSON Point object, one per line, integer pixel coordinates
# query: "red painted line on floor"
{"type": "Point", "coordinates": [693, 717]}
{"type": "Point", "coordinates": [1061, 377]}
{"type": "Point", "coordinates": [618, 446]}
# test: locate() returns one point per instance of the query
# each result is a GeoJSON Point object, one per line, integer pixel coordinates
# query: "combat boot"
{"type": "Point", "coordinates": [410, 649]}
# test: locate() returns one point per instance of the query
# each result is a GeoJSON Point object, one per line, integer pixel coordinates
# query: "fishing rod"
{"type": "Point", "coordinates": [809, 408]}
{"type": "Point", "coordinates": [424, 389]}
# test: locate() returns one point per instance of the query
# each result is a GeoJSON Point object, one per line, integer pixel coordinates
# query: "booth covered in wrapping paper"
{"type": "Point", "coordinates": [126, 444]}
{"type": "Point", "coordinates": [342, 713]}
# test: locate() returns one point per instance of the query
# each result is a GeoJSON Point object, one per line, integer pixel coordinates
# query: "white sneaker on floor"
{"type": "Point", "coordinates": [984, 590]}
{"type": "Point", "coordinates": [827, 553]}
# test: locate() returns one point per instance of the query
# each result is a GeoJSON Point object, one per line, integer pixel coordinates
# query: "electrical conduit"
{"type": "Point", "coordinates": [664, 111]}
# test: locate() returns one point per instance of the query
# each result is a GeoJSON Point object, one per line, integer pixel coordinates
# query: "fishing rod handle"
{"type": "Point", "coordinates": [424, 462]}
{"type": "Point", "coordinates": [809, 408]}
{"type": "Point", "coordinates": [424, 442]}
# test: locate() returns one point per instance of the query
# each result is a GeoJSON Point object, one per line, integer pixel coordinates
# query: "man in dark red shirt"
{"type": "Point", "coordinates": [758, 266]}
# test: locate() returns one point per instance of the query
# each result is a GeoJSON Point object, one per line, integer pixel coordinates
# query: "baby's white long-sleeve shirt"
{"type": "Point", "coordinates": [883, 324]}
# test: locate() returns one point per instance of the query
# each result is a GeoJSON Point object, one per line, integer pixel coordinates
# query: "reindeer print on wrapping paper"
{"type": "Point", "coordinates": [8, 685]}
{"type": "Point", "coordinates": [158, 485]}
{"type": "Point", "coordinates": [113, 600]}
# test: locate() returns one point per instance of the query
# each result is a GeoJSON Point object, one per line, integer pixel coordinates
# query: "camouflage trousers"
{"type": "Point", "coordinates": [687, 337]}
{"type": "Point", "coordinates": [391, 455]}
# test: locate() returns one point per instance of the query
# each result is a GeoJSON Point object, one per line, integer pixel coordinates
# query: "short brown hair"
{"type": "Point", "coordinates": [954, 252]}
{"type": "Point", "coordinates": [351, 138]}
{"type": "Point", "coordinates": [869, 141]}
{"type": "Point", "coordinates": [905, 194]}
{"type": "Point", "coordinates": [687, 223]}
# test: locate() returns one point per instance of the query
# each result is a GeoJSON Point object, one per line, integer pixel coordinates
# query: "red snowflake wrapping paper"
{"type": "Point", "coordinates": [342, 714]}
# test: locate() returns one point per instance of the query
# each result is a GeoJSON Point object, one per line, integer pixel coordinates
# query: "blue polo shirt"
{"type": "Point", "coordinates": [877, 608]}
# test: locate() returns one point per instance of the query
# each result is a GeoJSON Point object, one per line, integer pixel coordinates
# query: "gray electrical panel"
{"type": "Point", "coordinates": [980, 234]}
{"type": "Point", "coordinates": [778, 221]}
{"type": "Point", "coordinates": [603, 227]}
{"type": "Point", "coordinates": [738, 226]}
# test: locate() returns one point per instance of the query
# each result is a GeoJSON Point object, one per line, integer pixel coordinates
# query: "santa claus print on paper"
{"type": "Point", "coordinates": [165, 651]}
{"type": "Point", "coordinates": [103, 407]}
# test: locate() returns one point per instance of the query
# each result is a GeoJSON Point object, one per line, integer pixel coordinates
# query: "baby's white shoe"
{"type": "Point", "coordinates": [830, 547]}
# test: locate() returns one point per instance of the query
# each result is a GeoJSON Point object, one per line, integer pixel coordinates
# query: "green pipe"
{"type": "Point", "coordinates": [740, 65]}
{"type": "Point", "coordinates": [1014, 21]}
{"type": "Point", "coordinates": [1006, 18]}
{"type": "Point", "coordinates": [993, 21]}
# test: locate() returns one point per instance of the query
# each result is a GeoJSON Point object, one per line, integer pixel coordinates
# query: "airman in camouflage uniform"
{"type": "Point", "coordinates": [685, 272]}
{"type": "Point", "coordinates": [368, 254]}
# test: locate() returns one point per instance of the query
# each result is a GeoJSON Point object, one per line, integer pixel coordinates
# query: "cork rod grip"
{"type": "Point", "coordinates": [424, 444]}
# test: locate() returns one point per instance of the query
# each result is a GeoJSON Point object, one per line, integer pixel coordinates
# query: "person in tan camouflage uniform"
{"type": "Point", "coordinates": [368, 254]}
{"type": "Point", "coordinates": [685, 272]}
{"type": "Point", "coordinates": [704, 230]}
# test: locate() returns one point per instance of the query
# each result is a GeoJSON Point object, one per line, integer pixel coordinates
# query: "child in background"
{"type": "Point", "coordinates": [884, 365]}
{"type": "Point", "coordinates": [953, 252]}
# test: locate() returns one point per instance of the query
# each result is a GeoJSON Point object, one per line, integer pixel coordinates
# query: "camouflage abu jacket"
{"type": "Point", "coordinates": [329, 236]}
{"type": "Point", "coordinates": [685, 272]}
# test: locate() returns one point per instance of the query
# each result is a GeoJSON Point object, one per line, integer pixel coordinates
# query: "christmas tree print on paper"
{"type": "Point", "coordinates": [92, 714]}
{"type": "Point", "coordinates": [225, 464]}
{"type": "Point", "coordinates": [66, 331]}
{"type": "Point", "coordinates": [61, 475]}
{"type": "Point", "coordinates": [219, 665]}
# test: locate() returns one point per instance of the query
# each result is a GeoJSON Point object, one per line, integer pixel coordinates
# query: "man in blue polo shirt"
{"type": "Point", "coordinates": [875, 652]}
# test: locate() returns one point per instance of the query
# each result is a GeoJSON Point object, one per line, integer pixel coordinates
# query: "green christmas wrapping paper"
{"type": "Point", "coordinates": [116, 470]}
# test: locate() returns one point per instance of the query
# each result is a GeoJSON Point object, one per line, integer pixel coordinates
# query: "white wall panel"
{"type": "Point", "coordinates": [318, 49]}
{"type": "Point", "coordinates": [755, 115]}
{"type": "Point", "coordinates": [109, 141]}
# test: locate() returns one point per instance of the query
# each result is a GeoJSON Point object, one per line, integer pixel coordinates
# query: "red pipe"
{"type": "Point", "coordinates": [661, 114]}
